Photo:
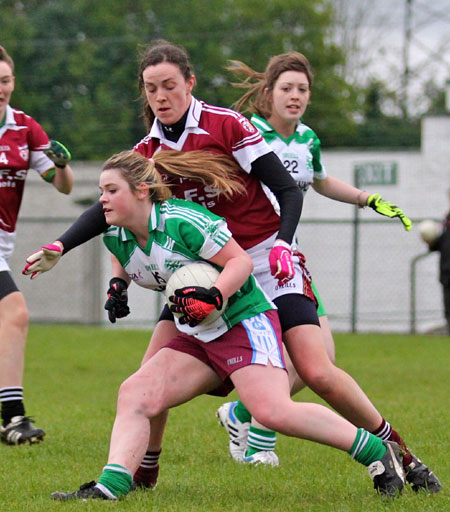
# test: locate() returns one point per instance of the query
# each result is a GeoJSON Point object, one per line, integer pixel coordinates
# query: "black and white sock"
{"type": "Point", "coordinates": [11, 400]}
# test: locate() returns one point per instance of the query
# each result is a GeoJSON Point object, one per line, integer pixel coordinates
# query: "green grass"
{"type": "Point", "coordinates": [71, 382]}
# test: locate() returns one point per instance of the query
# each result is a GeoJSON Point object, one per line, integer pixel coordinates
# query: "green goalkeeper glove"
{"type": "Point", "coordinates": [390, 210]}
{"type": "Point", "coordinates": [58, 153]}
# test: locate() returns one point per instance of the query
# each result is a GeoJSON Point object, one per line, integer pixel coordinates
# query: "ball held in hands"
{"type": "Point", "coordinates": [195, 277]}
{"type": "Point", "coordinates": [195, 303]}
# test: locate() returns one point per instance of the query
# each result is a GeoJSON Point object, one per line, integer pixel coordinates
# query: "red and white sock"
{"type": "Point", "coordinates": [147, 473]}
{"type": "Point", "coordinates": [387, 433]}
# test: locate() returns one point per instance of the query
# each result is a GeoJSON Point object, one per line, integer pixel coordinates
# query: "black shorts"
{"type": "Point", "coordinates": [296, 309]}
{"type": "Point", "coordinates": [166, 314]}
{"type": "Point", "coordinates": [7, 284]}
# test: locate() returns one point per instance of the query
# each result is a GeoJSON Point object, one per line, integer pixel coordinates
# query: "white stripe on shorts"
{"type": "Point", "coordinates": [263, 340]}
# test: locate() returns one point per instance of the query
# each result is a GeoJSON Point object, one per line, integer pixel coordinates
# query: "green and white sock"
{"type": "Point", "coordinates": [367, 448]}
{"type": "Point", "coordinates": [241, 412]}
{"type": "Point", "coordinates": [116, 479]}
{"type": "Point", "coordinates": [260, 440]}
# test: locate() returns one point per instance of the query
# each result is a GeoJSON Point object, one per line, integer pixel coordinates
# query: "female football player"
{"type": "Point", "coordinates": [179, 121]}
{"type": "Point", "coordinates": [152, 235]}
{"type": "Point", "coordinates": [277, 100]}
{"type": "Point", "coordinates": [23, 146]}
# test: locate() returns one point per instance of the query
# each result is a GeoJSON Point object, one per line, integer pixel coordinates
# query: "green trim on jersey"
{"type": "Point", "coordinates": [181, 232]}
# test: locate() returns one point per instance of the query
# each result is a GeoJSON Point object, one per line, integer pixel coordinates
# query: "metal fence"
{"type": "Point", "coordinates": [367, 271]}
{"type": "Point", "coordinates": [363, 270]}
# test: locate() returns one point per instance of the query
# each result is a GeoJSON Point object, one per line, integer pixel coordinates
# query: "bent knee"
{"type": "Point", "coordinates": [320, 380]}
{"type": "Point", "coordinates": [17, 315]}
{"type": "Point", "coordinates": [272, 416]}
{"type": "Point", "coordinates": [140, 399]}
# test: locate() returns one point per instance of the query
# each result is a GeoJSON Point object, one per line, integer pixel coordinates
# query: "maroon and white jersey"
{"type": "Point", "coordinates": [22, 141]}
{"type": "Point", "coordinates": [250, 216]}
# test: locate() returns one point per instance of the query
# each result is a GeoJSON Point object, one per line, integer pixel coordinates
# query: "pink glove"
{"type": "Point", "coordinates": [281, 264]}
{"type": "Point", "coordinates": [43, 260]}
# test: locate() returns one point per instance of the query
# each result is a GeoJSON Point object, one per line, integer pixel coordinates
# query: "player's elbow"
{"type": "Point", "coordinates": [247, 263]}
{"type": "Point", "coordinates": [66, 190]}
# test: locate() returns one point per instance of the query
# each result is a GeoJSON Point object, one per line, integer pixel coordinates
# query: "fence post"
{"type": "Point", "coordinates": [354, 314]}
{"type": "Point", "coordinates": [355, 255]}
{"type": "Point", "coordinates": [412, 298]}
{"type": "Point", "coordinates": [93, 272]}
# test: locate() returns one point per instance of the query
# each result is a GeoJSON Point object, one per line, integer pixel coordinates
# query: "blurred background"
{"type": "Point", "coordinates": [380, 106]}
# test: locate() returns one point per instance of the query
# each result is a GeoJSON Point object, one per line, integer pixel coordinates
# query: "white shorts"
{"type": "Point", "coordinates": [260, 256]}
{"type": "Point", "coordinates": [7, 241]}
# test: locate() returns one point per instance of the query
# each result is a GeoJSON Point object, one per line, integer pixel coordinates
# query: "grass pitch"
{"type": "Point", "coordinates": [71, 382]}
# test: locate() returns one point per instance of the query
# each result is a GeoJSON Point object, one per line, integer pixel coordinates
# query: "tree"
{"type": "Point", "coordinates": [436, 97]}
{"type": "Point", "coordinates": [77, 61]}
{"type": "Point", "coordinates": [379, 128]}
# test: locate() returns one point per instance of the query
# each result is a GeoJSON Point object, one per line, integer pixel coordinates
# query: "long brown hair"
{"type": "Point", "coordinates": [4, 57]}
{"type": "Point", "coordinates": [216, 170]}
{"type": "Point", "coordinates": [156, 52]}
{"type": "Point", "coordinates": [260, 85]}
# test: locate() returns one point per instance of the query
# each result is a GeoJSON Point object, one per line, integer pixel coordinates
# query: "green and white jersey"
{"type": "Point", "coordinates": [181, 232]}
{"type": "Point", "coordinates": [300, 153]}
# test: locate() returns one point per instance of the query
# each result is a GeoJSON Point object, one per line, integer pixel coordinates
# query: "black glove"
{"type": "Point", "coordinates": [117, 303]}
{"type": "Point", "coordinates": [195, 303]}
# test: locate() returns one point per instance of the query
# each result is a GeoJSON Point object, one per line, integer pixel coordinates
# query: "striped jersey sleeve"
{"type": "Point", "coordinates": [191, 225]}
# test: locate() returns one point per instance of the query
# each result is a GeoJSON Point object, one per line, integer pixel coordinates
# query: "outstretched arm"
{"type": "Point", "coordinates": [90, 224]}
{"type": "Point", "coordinates": [340, 191]}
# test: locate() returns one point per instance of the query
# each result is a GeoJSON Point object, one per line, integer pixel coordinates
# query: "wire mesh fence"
{"type": "Point", "coordinates": [365, 286]}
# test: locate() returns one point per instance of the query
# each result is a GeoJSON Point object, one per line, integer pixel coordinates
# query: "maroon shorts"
{"type": "Point", "coordinates": [256, 340]}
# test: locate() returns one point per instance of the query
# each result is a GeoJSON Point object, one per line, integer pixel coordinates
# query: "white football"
{"type": "Point", "coordinates": [195, 274]}
{"type": "Point", "coordinates": [429, 230]}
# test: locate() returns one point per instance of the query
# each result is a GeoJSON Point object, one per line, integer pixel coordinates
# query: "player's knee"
{"type": "Point", "coordinates": [17, 316]}
{"type": "Point", "coordinates": [127, 394]}
{"type": "Point", "coordinates": [131, 398]}
{"type": "Point", "coordinates": [268, 414]}
{"type": "Point", "coordinates": [136, 398]}
{"type": "Point", "coordinates": [153, 405]}
{"type": "Point", "coordinates": [320, 379]}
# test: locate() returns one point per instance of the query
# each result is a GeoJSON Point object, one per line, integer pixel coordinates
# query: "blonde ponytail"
{"type": "Point", "coordinates": [218, 171]}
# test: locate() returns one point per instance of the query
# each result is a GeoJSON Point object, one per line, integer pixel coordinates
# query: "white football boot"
{"type": "Point", "coordinates": [263, 457]}
{"type": "Point", "coordinates": [237, 431]}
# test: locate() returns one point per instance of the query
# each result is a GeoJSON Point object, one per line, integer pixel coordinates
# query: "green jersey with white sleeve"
{"type": "Point", "coordinates": [300, 153]}
{"type": "Point", "coordinates": [182, 232]}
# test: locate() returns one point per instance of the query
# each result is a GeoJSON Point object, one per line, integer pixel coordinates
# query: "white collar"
{"type": "Point", "coordinates": [192, 120]}
{"type": "Point", "coordinates": [9, 117]}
